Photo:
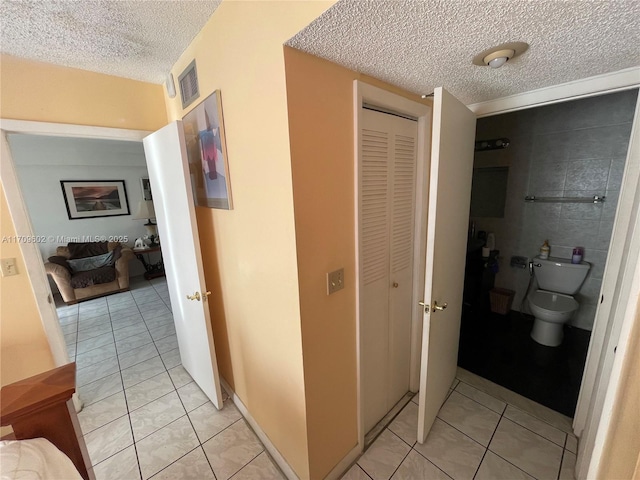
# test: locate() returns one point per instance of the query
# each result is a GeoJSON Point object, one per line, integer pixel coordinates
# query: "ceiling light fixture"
{"type": "Point", "coordinates": [497, 56]}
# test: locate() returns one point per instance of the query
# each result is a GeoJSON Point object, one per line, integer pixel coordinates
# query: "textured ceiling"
{"type": "Point", "coordinates": [423, 44]}
{"type": "Point", "coordinates": [139, 39]}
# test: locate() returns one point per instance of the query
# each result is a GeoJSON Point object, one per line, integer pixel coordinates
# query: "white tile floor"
{"type": "Point", "coordinates": [144, 417]}
{"type": "Point", "coordinates": [475, 436]}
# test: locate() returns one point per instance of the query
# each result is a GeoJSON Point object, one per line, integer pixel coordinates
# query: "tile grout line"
{"type": "Point", "coordinates": [564, 450]}
{"type": "Point", "coordinates": [507, 404]}
{"type": "Point", "coordinates": [420, 453]}
{"type": "Point", "coordinates": [124, 387]}
{"type": "Point", "coordinates": [536, 433]}
{"type": "Point", "coordinates": [126, 402]}
{"type": "Point", "coordinates": [403, 458]}
{"type": "Point", "coordinates": [490, 440]}
{"type": "Point", "coordinates": [479, 403]}
{"type": "Point", "coordinates": [363, 470]}
{"type": "Point", "coordinates": [240, 469]}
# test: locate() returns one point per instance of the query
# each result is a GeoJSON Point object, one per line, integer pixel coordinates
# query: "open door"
{"type": "Point", "coordinates": [449, 196]}
{"type": "Point", "coordinates": [175, 213]}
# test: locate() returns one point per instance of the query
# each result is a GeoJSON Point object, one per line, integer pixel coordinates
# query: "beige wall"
{"type": "Point", "coordinates": [320, 103]}
{"type": "Point", "coordinates": [48, 93]}
{"type": "Point", "coordinates": [621, 455]}
{"type": "Point", "coordinates": [249, 253]}
{"type": "Point", "coordinates": [24, 349]}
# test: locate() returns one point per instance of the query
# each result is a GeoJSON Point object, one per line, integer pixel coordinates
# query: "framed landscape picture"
{"type": "Point", "coordinates": [207, 153]}
{"type": "Point", "coordinates": [94, 198]}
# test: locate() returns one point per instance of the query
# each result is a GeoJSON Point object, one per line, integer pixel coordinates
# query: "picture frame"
{"type": "Point", "coordinates": [207, 153]}
{"type": "Point", "coordinates": [95, 198]}
{"type": "Point", "coordinates": [146, 188]}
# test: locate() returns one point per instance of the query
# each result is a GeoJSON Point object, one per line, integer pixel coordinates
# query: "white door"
{"type": "Point", "coordinates": [176, 217]}
{"type": "Point", "coordinates": [448, 218]}
{"type": "Point", "coordinates": [387, 216]}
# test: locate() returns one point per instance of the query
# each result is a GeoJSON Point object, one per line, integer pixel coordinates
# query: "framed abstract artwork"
{"type": "Point", "coordinates": [207, 153]}
{"type": "Point", "coordinates": [94, 198]}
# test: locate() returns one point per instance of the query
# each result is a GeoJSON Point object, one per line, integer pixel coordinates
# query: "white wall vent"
{"type": "Point", "coordinates": [188, 81]}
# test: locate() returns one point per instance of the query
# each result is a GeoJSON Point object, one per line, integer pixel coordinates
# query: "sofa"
{"type": "Point", "coordinates": [88, 270]}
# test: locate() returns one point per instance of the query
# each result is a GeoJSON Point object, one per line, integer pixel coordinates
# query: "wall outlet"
{"type": "Point", "coordinates": [8, 267]}
{"type": "Point", "coordinates": [335, 281]}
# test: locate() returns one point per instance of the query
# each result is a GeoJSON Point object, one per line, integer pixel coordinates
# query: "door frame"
{"type": "Point", "coordinates": [615, 317]}
{"type": "Point", "coordinates": [19, 214]}
{"type": "Point", "coordinates": [366, 93]}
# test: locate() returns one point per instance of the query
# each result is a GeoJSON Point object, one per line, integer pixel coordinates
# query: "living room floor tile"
{"type": "Point", "coordinates": [95, 342]}
{"type": "Point", "coordinates": [141, 372]}
{"type": "Point", "coordinates": [165, 446]}
{"type": "Point", "coordinates": [100, 413]}
{"type": "Point", "coordinates": [149, 390]}
{"type": "Point", "coordinates": [155, 415]}
{"type": "Point", "coordinates": [96, 355]}
{"type": "Point", "coordinates": [97, 371]}
{"type": "Point", "coordinates": [137, 355]}
{"type": "Point", "coordinates": [96, 391]}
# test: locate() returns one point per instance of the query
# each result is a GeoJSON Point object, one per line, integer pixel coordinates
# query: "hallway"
{"type": "Point", "coordinates": [143, 415]}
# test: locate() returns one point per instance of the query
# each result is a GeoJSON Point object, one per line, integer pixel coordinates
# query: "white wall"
{"type": "Point", "coordinates": [42, 162]}
{"type": "Point", "coordinates": [571, 149]}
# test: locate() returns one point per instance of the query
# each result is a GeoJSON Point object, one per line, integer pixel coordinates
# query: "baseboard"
{"type": "Point", "coordinates": [341, 468]}
{"type": "Point", "coordinates": [271, 448]}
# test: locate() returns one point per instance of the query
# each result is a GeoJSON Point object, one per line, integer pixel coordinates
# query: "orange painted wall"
{"type": "Point", "coordinates": [320, 104]}
{"type": "Point", "coordinates": [49, 93]}
{"type": "Point", "coordinates": [24, 349]}
{"type": "Point", "coordinates": [249, 253]}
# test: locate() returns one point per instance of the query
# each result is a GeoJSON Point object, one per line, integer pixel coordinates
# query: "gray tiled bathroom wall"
{"type": "Point", "coordinates": [570, 149]}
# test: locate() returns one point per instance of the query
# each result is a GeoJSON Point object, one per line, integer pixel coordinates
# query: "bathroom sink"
{"type": "Point", "coordinates": [474, 244]}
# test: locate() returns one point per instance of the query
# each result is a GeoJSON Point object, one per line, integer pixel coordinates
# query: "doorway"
{"type": "Point", "coordinates": [572, 149]}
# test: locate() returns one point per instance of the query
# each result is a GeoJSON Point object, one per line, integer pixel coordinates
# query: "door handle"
{"type": "Point", "coordinates": [439, 307]}
{"type": "Point", "coordinates": [195, 296]}
{"type": "Point", "coordinates": [426, 306]}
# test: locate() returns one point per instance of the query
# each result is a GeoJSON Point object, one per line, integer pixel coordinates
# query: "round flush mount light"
{"type": "Point", "coordinates": [497, 56]}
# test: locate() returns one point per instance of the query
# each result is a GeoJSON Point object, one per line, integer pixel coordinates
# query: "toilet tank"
{"type": "Point", "coordinates": [560, 275]}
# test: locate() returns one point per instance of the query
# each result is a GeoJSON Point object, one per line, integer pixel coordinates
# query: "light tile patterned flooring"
{"type": "Point", "coordinates": [144, 417]}
{"type": "Point", "coordinates": [475, 436]}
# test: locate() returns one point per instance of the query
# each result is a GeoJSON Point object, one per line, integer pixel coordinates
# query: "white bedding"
{"type": "Point", "coordinates": [35, 459]}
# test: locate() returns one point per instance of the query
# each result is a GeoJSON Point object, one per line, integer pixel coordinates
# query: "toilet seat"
{"type": "Point", "coordinates": [553, 304]}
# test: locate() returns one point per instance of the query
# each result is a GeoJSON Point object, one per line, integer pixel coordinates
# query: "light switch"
{"type": "Point", "coordinates": [8, 266]}
{"type": "Point", "coordinates": [335, 281]}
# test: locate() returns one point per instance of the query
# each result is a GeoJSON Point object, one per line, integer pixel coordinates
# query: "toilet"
{"type": "Point", "coordinates": [552, 305]}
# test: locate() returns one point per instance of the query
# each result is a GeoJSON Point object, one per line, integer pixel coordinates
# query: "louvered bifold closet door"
{"type": "Point", "coordinates": [402, 241]}
{"type": "Point", "coordinates": [386, 216]}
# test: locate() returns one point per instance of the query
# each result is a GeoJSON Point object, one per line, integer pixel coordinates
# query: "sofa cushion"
{"type": "Point", "coordinates": [93, 277]}
{"type": "Point", "coordinates": [88, 249]}
{"type": "Point", "coordinates": [62, 261]}
{"type": "Point", "coordinates": [91, 263]}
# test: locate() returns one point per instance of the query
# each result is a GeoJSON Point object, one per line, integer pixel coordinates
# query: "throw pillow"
{"type": "Point", "coordinates": [91, 263]}
{"type": "Point", "coordinates": [88, 249]}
